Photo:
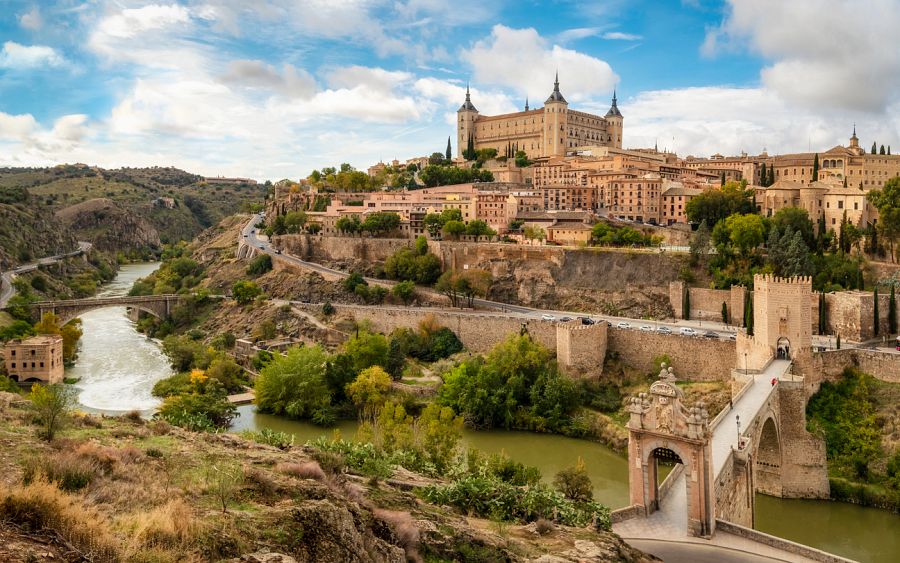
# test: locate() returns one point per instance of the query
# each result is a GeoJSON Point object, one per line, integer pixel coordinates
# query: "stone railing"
{"type": "Point", "coordinates": [780, 543]}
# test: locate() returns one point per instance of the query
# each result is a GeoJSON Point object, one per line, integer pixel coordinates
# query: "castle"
{"type": "Point", "coordinates": [549, 131]}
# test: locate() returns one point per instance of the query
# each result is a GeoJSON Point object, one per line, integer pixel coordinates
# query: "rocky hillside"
{"type": "Point", "coordinates": [124, 489]}
{"type": "Point", "coordinates": [129, 209]}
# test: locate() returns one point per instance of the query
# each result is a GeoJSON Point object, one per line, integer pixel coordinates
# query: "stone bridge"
{"type": "Point", "coordinates": [159, 306]}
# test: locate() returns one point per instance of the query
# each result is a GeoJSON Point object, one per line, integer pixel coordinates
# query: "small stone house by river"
{"type": "Point", "coordinates": [38, 358]}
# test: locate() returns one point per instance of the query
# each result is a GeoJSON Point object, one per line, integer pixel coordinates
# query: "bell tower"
{"type": "Point", "coordinates": [466, 116]}
{"type": "Point", "coordinates": [556, 119]}
{"type": "Point", "coordinates": [614, 122]}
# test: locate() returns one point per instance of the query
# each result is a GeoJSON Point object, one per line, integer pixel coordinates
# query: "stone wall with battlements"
{"type": "Point", "coordinates": [694, 359]}
{"type": "Point", "coordinates": [781, 310]}
{"type": "Point", "coordinates": [828, 366]}
{"type": "Point", "coordinates": [706, 304]}
{"type": "Point", "coordinates": [581, 349]}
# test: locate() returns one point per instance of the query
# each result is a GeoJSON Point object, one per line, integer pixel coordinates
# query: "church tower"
{"type": "Point", "coordinates": [465, 124]}
{"type": "Point", "coordinates": [854, 143]}
{"type": "Point", "coordinates": [614, 121]}
{"type": "Point", "coordinates": [556, 110]}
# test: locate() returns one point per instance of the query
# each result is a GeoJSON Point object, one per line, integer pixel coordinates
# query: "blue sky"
{"type": "Point", "coordinates": [287, 86]}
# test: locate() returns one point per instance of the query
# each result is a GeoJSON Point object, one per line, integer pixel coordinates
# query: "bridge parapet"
{"type": "Point", "coordinates": [159, 306]}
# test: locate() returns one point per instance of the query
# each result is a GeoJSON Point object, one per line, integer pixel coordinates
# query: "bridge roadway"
{"type": "Point", "coordinates": [7, 291]}
{"type": "Point", "coordinates": [250, 237]}
{"type": "Point", "coordinates": [664, 533]}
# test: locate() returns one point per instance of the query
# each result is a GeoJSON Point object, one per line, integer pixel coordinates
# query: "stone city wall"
{"type": "Point", "coordinates": [733, 491]}
{"type": "Point", "coordinates": [803, 470]}
{"type": "Point", "coordinates": [694, 359]}
{"type": "Point", "coordinates": [706, 304]}
{"type": "Point", "coordinates": [779, 543]}
{"type": "Point", "coordinates": [828, 366]}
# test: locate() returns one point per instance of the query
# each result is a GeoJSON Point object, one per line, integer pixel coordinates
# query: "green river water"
{"type": "Point", "coordinates": [113, 381]}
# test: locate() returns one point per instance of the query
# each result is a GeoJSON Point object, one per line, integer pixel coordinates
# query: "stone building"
{"type": "Point", "coordinates": [634, 199]}
{"type": "Point", "coordinates": [548, 131]}
{"type": "Point", "coordinates": [38, 358]}
{"type": "Point", "coordinates": [674, 200]}
{"type": "Point", "coordinates": [828, 199]}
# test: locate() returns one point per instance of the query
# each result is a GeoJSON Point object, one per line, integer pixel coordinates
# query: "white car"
{"type": "Point", "coordinates": [687, 331]}
{"type": "Point", "coordinates": [664, 330]}
{"type": "Point", "coordinates": [646, 328]}
{"type": "Point", "coordinates": [546, 317]}
{"type": "Point", "coordinates": [623, 324]}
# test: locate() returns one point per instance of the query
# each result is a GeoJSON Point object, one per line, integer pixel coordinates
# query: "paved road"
{"type": "Point", "coordinates": [684, 552]}
{"type": "Point", "coordinates": [7, 291]}
{"type": "Point", "coordinates": [700, 327]}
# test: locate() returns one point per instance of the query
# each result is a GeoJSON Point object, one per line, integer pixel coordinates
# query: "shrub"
{"type": "Point", "coordinates": [574, 483]}
{"type": "Point", "coordinates": [8, 385]}
{"type": "Point", "coordinates": [69, 472]}
{"type": "Point", "coordinates": [543, 526]}
{"type": "Point", "coordinates": [281, 440]}
{"type": "Point", "coordinates": [245, 291]}
{"type": "Point", "coordinates": [327, 309]}
{"type": "Point", "coordinates": [294, 384]}
{"type": "Point", "coordinates": [51, 405]}
{"type": "Point", "coordinates": [307, 470]}
{"type": "Point", "coordinates": [259, 265]}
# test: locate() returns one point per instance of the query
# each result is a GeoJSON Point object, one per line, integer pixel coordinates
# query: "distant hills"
{"type": "Point", "coordinates": [44, 211]}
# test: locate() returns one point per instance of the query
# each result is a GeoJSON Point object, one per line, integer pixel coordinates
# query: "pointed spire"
{"type": "Point", "coordinates": [556, 96]}
{"type": "Point", "coordinates": [526, 103]}
{"type": "Point", "coordinates": [467, 105]}
{"type": "Point", "coordinates": [614, 108]}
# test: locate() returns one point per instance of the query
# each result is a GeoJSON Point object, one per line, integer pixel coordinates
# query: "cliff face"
{"type": "Point", "coordinates": [27, 232]}
{"type": "Point", "coordinates": [109, 226]}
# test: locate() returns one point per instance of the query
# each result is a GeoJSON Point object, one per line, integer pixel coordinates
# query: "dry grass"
{"type": "Point", "coordinates": [308, 470]}
{"type": "Point", "coordinates": [41, 504]}
{"type": "Point", "coordinates": [170, 526]}
{"type": "Point", "coordinates": [404, 528]}
{"type": "Point", "coordinates": [68, 471]}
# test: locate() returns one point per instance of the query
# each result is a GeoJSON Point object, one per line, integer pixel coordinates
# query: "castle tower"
{"type": "Point", "coordinates": [614, 121]}
{"type": "Point", "coordinates": [854, 142]}
{"type": "Point", "coordinates": [465, 124]}
{"type": "Point", "coordinates": [782, 315]}
{"type": "Point", "coordinates": [556, 110]}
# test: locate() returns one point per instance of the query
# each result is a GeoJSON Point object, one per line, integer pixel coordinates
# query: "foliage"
{"type": "Point", "coordinates": [348, 224]}
{"type": "Point", "coordinates": [439, 175]}
{"type": "Point", "coordinates": [7, 385]}
{"type": "Point", "coordinates": [245, 291]}
{"type": "Point", "coordinates": [845, 413]}
{"type": "Point", "coordinates": [71, 333]}
{"type": "Point", "coordinates": [479, 228]}
{"type": "Point", "coordinates": [380, 223]}
{"type": "Point", "coordinates": [607, 235]}
{"type": "Point", "coordinates": [204, 409]}
{"type": "Point", "coordinates": [16, 329]}
{"type": "Point", "coordinates": [797, 219]}
{"type": "Point", "coordinates": [487, 497]}
{"type": "Point", "coordinates": [434, 222]}
{"type": "Point", "coordinates": [259, 265]}
{"type": "Point", "coordinates": [574, 483]}
{"type": "Point", "coordinates": [430, 343]}
{"type": "Point", "coordinates": [788, 253]}
{"type": "Point", "coordinates": [51, 405]}
{"type": "Point", "coordinates": [534, 233]}
{"type": "Point", "coordinates": [369, 390]}
{"type": "Point", "coordinates": [713, 206]}
{"type": "Point", "coordinates": [280, 440]}
{"type": "Point", "coordinates": [517, 385]}
{"type": "Point", "coordinates": [887, 201]}
{"type": "Point", "coordinates": [294, 385]}
{"type": "Point", "coordinates": [461, 288]}
{"type": "Point", "coordinates": [405, 291]}
{"type": "Point", "coordinates": [413, 264]}
{"type": "Point", "coordinates": [522, 159]}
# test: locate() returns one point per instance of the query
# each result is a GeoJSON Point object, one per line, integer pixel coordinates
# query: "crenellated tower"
{"type": "Point", "coordinates": [556, 110]}
{"type": "Point", "coordinates": [465, 124]}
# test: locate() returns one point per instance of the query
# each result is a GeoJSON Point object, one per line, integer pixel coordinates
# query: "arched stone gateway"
{"type": "Point", "coordinates": [783, 349]}
{"type": "Point", "coordinates": [661, 427]}
{"type": "Point", "coordinates": [768, 459]}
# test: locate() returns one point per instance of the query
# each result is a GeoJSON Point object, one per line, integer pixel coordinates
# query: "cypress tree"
{"type": "Point", "coordinates": [837, 342]}
{"type": "Point", "coordinates": [724, 313]}
{"type": "Point", "coordinates": [750, 315]}
{"type": "Point", "coordinates": [449, 150]}
{"type": "Point", "coordinates": [815, 174]}
{"type": "Point", "coordinates": [889, 149]}
{"type": "Point", "coordinates": [686, 314]}
{"type": "Point", "coordinates": [823, 322]}
{"type": "Point", "coordinates": [882, 150]}
{"type": "Point", "coordinates": [771, 179]}
{"type": "Point", "coordinates": [845, 181]}
{"type": "Point", "coordinates": [762, 175]}
{"type": "Point", "coordinates": [874, 148]}
{"type": "Point", "coordinates": [860, 281]}
{"type": "Point", "coordinates": [470, 148]}
{"type": "Point", "coordinates": [875, 315]}
{"type": "Point", "coordinates": [892, 312]}
{"type": "Point", "coordinates": [723, 178]}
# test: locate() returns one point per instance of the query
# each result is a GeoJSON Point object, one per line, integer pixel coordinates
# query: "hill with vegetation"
{"type": "Point", "coordinates": [128, 210]}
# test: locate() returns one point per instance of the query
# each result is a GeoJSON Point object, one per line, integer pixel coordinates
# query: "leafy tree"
{"type": "Point", "coordinates": [876, 318]}
{"type": "Point", "coordinates": [441, 432]}
{"type": "Point", "coordinates": [71, 333]}
{"type": "Point", "coordinates": [798, 220]}
{"type": "Point", "coordinates": [353, 280]}
{"type": "Point", "coordinates": [367, 349]}
{"type": "Point", "coordinates": [245, 291]}
{"type": "Point", "coordinates": [436, 175]}
{"type": "Point", "coordinates": [743, 233]}
{"type": "Point", "coordinates": [453, 229]}
{"type": "Point", "coordinates": [203, 406]}
{"type": "Point", "coordinates": [887, 201]}
{"type": "Point", "coordinates": [348, 224]}
{"type": "Point", "coordinates": [574, 482]}
{"type": "Point", "coordinates": [522, 159]}
{"type": "Point", "coordinates": [892, 311]}
{"type": "Point", "coordinates": [815, 170]}
{"type": "Point", "coordinates": [380, 223]}
{"type": "Point", "coordinates": [227, 372]}
{"type": "Point", "coordinates": [17, 329]}
{"type": "Point", "coordinates": [534, 233]}
{"type": "Point", "coordinates": [294, 221]}
{"type": "Point", "coordinates": [338, 373]}
{"type": "Point", "coordinates": [294, 385]}
{"type": "Point", "coordinates": [405, 291]}
{"type": "Point", "coordinates": [713, 206]}
{"type": "Point", "coordinates": [396, 359]}
{"type": "Point", "coordinates": [479, 228]}
{"type": "Point", "coordinates": [413, 264]}
{"type": "Point", "coordinates": [436, 159]}
{"type": "Point", "coordinates": [51, 404]}
{"type": "Point", "coordinates": [369, 391]}
{"type": "Point", "coordinates": [259, 265]}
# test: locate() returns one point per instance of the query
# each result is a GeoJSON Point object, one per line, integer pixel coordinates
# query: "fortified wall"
{"type": "Point", "coordinates": [694, 359]}
{"type": "Point", "coordinates": [828, 366]}
{"type": "Point", "coordinates": [707, 303]}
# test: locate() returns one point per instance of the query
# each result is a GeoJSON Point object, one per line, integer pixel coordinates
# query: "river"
{"type": "Point", "coordinates": [118, 367]}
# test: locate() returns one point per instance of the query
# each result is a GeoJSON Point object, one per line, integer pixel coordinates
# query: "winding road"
{"type": "Point", "coordinates": [7, 291]}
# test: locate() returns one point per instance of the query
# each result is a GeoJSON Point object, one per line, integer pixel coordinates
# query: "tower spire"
{"type": "Point", "coordinates": [467, 105]}
{"type": "Point", "coordinates": [556, 96]}
{"type": "Point", "coordinates": [526, 103]}
{"type": "Point", "coordinates": [614, 108]}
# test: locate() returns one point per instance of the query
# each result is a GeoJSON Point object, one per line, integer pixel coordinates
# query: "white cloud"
{"type": "Point", "coordinates": [131, 22]}
{"type": "Point", "coordinates": [291, 82]}
{"type": "Point", "coordinates": [835, 54]}
{"type": "Point", "coordinates": [20, 57]}
{"type": "Point", "coordinates": [376, 79]}
{"type": "Point", "coordinates": [619, 36]}
{"type": "Point", "coordinates": [32, 20]}
{"type": "Point", "coordinates": [521, 59]}
{"type": "Point", "coordinates": [705, 120]}
{"type": "Point", "coordinates": [16, 127]}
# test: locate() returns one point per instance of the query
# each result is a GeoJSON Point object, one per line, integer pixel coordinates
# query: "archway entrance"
{"type": "Point", "coordinates": [783, 349]}
{"type": "Point", "coordinates": [663, 461]}
{"type": "Point", "coordinates": [663, 430]}
{"type": "Point", "coordinates": [768, 460]}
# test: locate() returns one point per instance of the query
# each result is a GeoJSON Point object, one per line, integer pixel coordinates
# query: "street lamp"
{"type": "Point", "coordinates": [745, 364]}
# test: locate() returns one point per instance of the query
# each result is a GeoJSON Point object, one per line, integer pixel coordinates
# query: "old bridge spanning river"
{"type": "Point", "coordinates": [118, 367]}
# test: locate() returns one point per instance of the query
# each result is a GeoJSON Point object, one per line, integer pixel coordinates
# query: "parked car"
{"type": "Point", "coordinates": [733, 337]}
{"type": "Point", "coordinates": [664, 330]}
{"type": "Point", "coordinates": [277, 251]}
{"type": "Point", "coordinates": [586, 320]}
{"type": "Point", "coordinates": [646, 328]}
{"type": "Point", "coordinates": [565, 319]}
{"type": "Point", "coordinates": [623, 324]}
{"type": "Point", "coordinates": [546, 317]}
{"type": "Point", "coordinates": [710, 334]}
{"type": "Point", "coordinates": [687, 331]}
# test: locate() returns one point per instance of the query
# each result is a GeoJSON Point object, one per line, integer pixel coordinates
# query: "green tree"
{"type": "Point", "coordinates": [259, 265]}
{"type": "Point", "coordinates": [367, 349]}
{"type": "Point", "coordinates": [815, 170]}
{"type": "Point", "coordinates": [724, 312]}
{"type": "Point", "coordinates": [204, 406]}
{"type": "Point", "coordinates": [892, 311]}
{"type": "Point", "coordinates": [713, 206]}
{"type": "Point", "coordinates": [441, 431]}
{"type": "Point", "coordinates": [449, 152]}
{"type": "Point", "coordinates": [881, 151]}
{"type": "Point", "coordinates": [686, 304]}
{"type": "Point", "coordinates": [479, 228]}
{"type": "Point", "coordinates": [71, 333]}
{"type": "Point", "coordinates": [348, 224]}
{"type": "Point", "coordinates": [745, 232]}
{"type": "Point", "coordinates": [369, 391]}
{"type": "Point", "coordinates": [771, 179]}
{"type": "Point", "coordinates": [453, 229]}
{"type": "Point", "coordinates": [17, 329]}
{"type": "Point", "coordinates": [874, 148]}
{"type": "Point", "coordinates": [798, 220]}
{"type": "Point", "coordinates": [876, 318]}
{"type": "Point", "coordinates": [396, 359]}
{"type": "Point", "coordinates": [405, 291]}
{"type": "Point", "coordinates": [245, 291]}
{"type": "Point", "coordinates": [823, 319]}
{"type": "Point", "coordinates": [887, 201]}
{"type": "Point", "coordinates": [380, 223]}
{"type": "Point", "coordinates": [574, 482]}
{"type": "Point", "coordinates": [51, 405]}
{"type": "Point", "coordinates": [762, 175]}
{"type": "Point", "coordinates": [294, 385]}
{"type": "Point", "coordinates": [294, 221]}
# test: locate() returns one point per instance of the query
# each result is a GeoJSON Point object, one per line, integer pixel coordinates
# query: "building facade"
{"type": "Point", "coordinates": [549, 131]}
{"type": "Point", "coordinates": [38, 358]}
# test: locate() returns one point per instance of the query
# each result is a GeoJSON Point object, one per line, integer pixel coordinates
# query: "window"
{"type": "Point", "coordinates": [14, 365]}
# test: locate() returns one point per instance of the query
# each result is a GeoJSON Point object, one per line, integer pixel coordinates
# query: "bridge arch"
{"type": "Point", "coordinates": [769, 457]}
{"type": "Point", "coordinates": [783, 348]}
{"type": "Point", "coordinates": [160, 306]}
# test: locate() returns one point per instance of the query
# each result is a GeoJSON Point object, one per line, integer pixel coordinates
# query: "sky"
{"type": "Point", "coordinates": [274, 89]}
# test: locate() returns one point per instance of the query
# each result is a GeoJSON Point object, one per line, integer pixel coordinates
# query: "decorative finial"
{"type": "Point", "coordinates": [556, 82]}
